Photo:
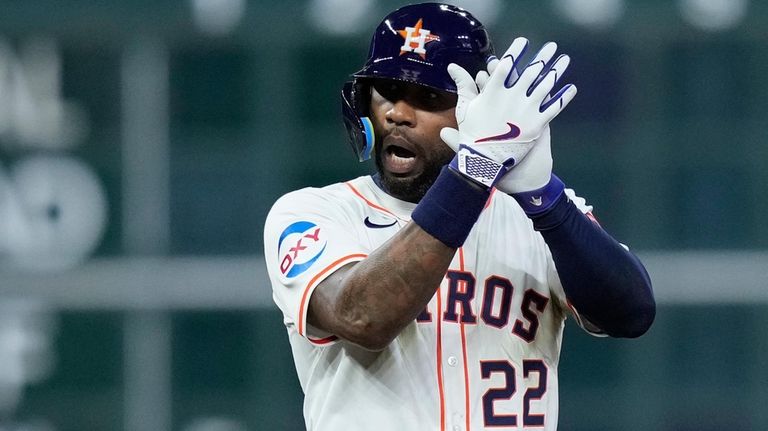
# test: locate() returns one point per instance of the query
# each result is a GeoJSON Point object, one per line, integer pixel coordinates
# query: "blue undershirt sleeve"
{"type": "Point", "coordinates": [602, 280]}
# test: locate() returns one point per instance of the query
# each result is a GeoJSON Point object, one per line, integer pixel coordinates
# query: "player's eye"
{"type": "Point", "coordinates": [422, 97]}
{"type": "Point", "coordinates": [390, 90]}
{"type": "Point", "coordinates": [437, 100]}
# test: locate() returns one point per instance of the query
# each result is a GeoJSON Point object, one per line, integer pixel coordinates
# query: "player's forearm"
{"type": "Point", "coordinates": [371, 302]}
{"type": "Point", "coordinates": [384, 293]}
{"type": "Point", "coordinates": [605, 282]}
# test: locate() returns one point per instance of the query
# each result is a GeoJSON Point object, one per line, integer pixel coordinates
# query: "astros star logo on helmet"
{"type": "Point", "coordinates": [416, 38]}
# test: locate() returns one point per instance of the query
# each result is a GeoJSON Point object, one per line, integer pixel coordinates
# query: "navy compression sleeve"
{"type": "Point", "coordinates": [606, 283]}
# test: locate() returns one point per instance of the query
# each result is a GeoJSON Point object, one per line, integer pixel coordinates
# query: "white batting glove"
{"type": "Point", "coordinates": [498, 124]}
{"type": "Point", "coordinates": [534, 171]}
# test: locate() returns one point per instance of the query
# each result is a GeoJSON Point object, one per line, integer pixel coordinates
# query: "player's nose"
{"type": "Point", "coordinates": [401, 113]}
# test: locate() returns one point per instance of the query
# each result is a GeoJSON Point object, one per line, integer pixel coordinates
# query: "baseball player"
{"type": "Point", "coordinates": [433, 294]}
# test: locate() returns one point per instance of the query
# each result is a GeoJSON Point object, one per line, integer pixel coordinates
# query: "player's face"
{"type": "Point", "coordinates": [407, 119]}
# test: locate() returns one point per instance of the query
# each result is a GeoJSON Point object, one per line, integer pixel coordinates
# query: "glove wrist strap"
{"type": "Point", "coordinates": [478, 167]}
{"type": "Point", "coordinates": [536, 202]}
{"type": "Point", "coordinates": [450, 208]}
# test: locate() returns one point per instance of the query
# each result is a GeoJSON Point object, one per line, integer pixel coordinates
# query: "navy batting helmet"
{"type": "Point", "coordinates": [414, 44]}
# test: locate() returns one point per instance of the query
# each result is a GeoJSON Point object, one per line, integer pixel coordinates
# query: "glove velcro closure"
{"type": "Point", "coordinates": [450, 208]}
{"type": "Point", "coordinates": [477, 166]}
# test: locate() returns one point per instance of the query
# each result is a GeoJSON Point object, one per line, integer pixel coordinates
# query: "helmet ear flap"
{"type": "Point", "coordinates": [354, 108]}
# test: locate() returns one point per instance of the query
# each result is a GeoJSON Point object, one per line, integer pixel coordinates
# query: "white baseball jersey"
{"type": "Point", "coordinates": [482, 355]}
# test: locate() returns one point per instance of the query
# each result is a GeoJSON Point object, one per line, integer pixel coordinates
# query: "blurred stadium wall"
{"type": "Point", "coordinates": [142, 143]}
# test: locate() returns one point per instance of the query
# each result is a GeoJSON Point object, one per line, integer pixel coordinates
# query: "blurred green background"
{"type": "Point", "coordinates": [194, 116]}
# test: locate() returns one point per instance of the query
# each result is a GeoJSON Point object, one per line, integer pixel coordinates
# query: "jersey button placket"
{"type": "Point", "coordinates": [458, 418]}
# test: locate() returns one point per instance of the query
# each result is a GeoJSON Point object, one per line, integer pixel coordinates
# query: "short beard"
{"type": "Point", "coordinates": [414, 188]}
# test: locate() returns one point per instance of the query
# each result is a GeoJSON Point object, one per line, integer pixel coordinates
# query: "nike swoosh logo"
{"type": "Point", "coordinates": [373, 225]}
{"type": "Point", "coordinates": [513, 133]}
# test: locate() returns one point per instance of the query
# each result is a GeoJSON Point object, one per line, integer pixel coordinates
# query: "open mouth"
{"type": "Point", "coordinates": [399, 160]}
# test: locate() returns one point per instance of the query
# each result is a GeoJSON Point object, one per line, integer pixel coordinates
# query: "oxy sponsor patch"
{"type": "Point", "coordinates": [301, 244]}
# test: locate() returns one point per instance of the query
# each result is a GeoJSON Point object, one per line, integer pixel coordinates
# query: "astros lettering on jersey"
{"type": "Point", "coordinates": [482, 355]}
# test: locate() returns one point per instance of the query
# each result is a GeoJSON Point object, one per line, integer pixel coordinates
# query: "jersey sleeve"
{"type": "Point", "coordinates": [307, 236]}
{"type": "Point", "coordinates": [556, 285]}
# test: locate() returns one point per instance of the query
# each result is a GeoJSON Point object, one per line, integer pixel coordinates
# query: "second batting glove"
{"type": "Point", "coordinates": [498, 125]}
